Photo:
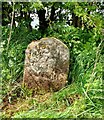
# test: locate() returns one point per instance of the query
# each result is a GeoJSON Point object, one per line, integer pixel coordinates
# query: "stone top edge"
{"type": "Point", "coordinates": [46, 38]}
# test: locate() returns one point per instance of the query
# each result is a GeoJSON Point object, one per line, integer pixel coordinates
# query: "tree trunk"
{"type": "Point", "coordinates": [52, 16]}
{"type": "Point", "coordinates": [76, 21]}
{"type": "Point", "coordinates": [28, 20]}
{"type": "Point", "coordinates": [14, 24]}
{"type": "Point", "coordinates": [42, 21]}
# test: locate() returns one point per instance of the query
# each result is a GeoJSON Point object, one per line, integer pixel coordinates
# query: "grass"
{"type": "Point", "coordinates": [56, 105]}
{"type": "Point", "coordinates": [70, 102]}
{"type": "Point", "coordinates": [83, 98]}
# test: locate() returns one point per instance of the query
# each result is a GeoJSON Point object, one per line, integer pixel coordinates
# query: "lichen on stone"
{"type": "Point", "coordinates": [46, 65]}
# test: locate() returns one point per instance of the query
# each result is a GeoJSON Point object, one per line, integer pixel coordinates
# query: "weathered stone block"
{"type": "Point", "coordinates": [46, 65]}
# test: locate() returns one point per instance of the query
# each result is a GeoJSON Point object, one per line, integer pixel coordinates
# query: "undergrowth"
{"type": "Point", "coordinates": [83, 98]}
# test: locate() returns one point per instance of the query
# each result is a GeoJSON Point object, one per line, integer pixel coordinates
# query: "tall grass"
{"type": "Point", "coordinates": [81, 99]}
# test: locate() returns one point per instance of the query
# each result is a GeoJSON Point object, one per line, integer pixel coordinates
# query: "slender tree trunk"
{"type": "Point", "coordinates": [42, 21]}
{"type": "Point", "coordinates": [52, 16]}
{"type": "Point", "coordinates": [76, 21]}
{"type": "Point", "coordinates": [14, 24]}
{"type": "Point", "coordinates": [28, 20]}
{"type": "Point", "coordinates": [21, 13]}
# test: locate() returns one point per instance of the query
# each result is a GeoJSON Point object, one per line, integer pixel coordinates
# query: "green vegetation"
{"type": "Point", "coordinates": [83, 33]}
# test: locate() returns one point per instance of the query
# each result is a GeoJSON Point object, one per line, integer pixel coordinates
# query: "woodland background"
{"type": "Point", "coordinates": [80, 25]}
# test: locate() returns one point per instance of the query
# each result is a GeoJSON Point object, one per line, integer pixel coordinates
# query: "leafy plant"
{"type": "Point", "coordinates": [83, 34]}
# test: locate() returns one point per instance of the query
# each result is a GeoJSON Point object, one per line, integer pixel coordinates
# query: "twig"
{"type": "Point", "coordinates": [92, 75]}
{"type": "Point", "coordinates": [88, 97]}
{"type": "Point", "coordinates": [11, 25]}
{"type": "Point", "coordinates": [84, 112]}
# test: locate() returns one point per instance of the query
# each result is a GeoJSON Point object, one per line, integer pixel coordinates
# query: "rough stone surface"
{"type": "Point", "coordinates": [46, 65]}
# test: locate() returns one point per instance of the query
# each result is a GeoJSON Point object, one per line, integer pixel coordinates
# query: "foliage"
{"type": "Point", "coordinates": [13, 57]}
{"type": "Point", "coordinates": [83, 97]}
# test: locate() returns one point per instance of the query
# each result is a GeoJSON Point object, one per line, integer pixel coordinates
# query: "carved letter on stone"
{"type": "Point", "coordinates": [46, 65]}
